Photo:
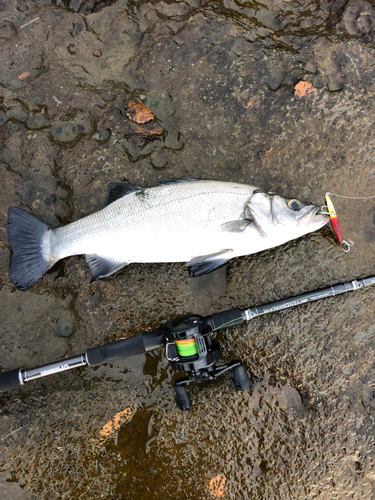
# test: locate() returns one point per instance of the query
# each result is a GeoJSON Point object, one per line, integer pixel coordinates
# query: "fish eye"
{"type": "Point", "coordinates": [294, 204]}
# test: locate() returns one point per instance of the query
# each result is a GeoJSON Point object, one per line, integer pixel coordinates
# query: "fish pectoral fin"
{"type": "Point", "coordinates": [251, 218]}
{"type": "Point", "coordinates": [235, 226]}
{"type": "Point", "coordinates": [101, 267]}
{"type": "Point", "coordinates": [119, 189]}
{"type": "Point", "coordinates": [207, 263]}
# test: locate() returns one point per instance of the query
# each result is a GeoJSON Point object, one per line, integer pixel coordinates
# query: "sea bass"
{"type": "Point", "coordinates": [201, 222]}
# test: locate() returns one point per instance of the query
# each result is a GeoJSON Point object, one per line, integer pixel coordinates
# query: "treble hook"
{"type": "Point", "coordinates": [347, 245]}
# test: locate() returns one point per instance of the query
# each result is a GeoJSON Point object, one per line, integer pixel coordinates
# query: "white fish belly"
{"type": "Point", "coordinates": [171, 223]}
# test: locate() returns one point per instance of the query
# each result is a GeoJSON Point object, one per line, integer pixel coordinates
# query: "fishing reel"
{"type": "Point", "coordinates": [189, 348]}
{"type": "Point", "coordinates": [188, 344]}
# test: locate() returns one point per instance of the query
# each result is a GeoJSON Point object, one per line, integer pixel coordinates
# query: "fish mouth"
{"type": "Point", "coordinates": [313, 217]}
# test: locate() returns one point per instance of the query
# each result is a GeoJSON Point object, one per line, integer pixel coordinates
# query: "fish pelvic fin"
{"type": "Point", "coordinates": [27, 240]}
{"type": "Point", "coordinates": [101, 267]}
{"type": "Point", "coordinates": [207, 263]}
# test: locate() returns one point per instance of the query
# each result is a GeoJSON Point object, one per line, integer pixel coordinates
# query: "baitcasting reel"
{"type": "Point", "coordinates": [189, 348]}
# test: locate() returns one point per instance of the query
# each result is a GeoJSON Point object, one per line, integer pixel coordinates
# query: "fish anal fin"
{"type": "Point", "coordinates": [206, 267]}
{"type": "Point", "coordinates": [101, 267]}
{"type": "Point", "coordinates": [118, 190]}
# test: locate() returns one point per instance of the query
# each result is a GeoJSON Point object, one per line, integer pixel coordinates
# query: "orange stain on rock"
{"type": "Point", "coordinates": [139, 112]}
{"type": "Point", "coordinates": [216, 485]}
{"type": "Point", "coordinates": [304, 88]}
{"type": "Point", "coordinates": [118, 420]}
{"type": "Point", "coordinates": [148, 129]}
{"type": "Point", "coordinates": [24, 75]}
{"type": "Point", "coordinates": [250, 104]}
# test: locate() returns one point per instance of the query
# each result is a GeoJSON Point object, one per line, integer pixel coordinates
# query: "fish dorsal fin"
{"type": "Point", "coordinates": [175, 181]}
{"type": "Point", "coordinates": [119, 189]}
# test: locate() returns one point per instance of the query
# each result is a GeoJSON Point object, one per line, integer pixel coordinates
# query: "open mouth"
{"type": "Point", "coordinates": [312, 215]}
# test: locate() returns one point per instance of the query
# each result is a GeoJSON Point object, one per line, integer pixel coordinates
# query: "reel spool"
{"type": "Point", "coordinates": [189, 348]}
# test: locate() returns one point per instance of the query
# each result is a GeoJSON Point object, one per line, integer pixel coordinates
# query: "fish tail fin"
{"type": "Point", "coordinates": [26, 237]}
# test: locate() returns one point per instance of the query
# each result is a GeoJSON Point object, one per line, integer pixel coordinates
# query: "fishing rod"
{"type": "Point", "coordinates": [188, 345]}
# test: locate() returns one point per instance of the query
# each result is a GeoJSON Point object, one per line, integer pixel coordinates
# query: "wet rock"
{"type": "Point", "coordinates": [289, 398]}
{"type": "Point", "coordinates": [43, 317]}
{"type": "Point", "coordinates": [148, 129]}
{"type": "Point", "coordinates": [359, 19]}
{"type": "Point", "coordinates": [66, 132]}
{"type": "Point", "coordinates": [75, 5]}
{"type": "Point", "coordinates": [3, 118]}
{"type": "Point", "coordinates": [173, 141]}
{"type": "Point", "coordinates": [368, 397]}
{"type": "Point", "coordinates": [77, 29]}
{"type": "Point", "coordinates": [17, 109]}
{"type": "Point", "coordinates": [72, 49]}
{"type": "Point", "coordinates": [158, 160]}
{"type": "Point", "coordinates": [4, 260]}
{"type": "Point", "coordinates": [7, 30]}
{"type": "Point", "coordinates": [10, 489]}
{"type": "Point", "coordinates": [37, 121]}
{"type": "Point", "coordinates": [63, 324]}
{"type": "Point", "coordinates": [22, 6]}
{"type": "Point", "coordinates": [8, 192]}
{"type": "Point", "coordinates": [103, 135]}
{"type": "Point", "coordinates": [173, 9]}
{"type": "Point", "coordinates": [139, 112]}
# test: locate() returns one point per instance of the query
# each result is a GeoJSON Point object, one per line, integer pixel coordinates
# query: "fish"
{"type": "Point", "coordinates": [203, 223]}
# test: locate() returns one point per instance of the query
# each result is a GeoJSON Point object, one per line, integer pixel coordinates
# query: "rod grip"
{"type": "Point", "coordinates": [10, 380]}
{"type": "Point", "coordinates": [123, 348]}
{"type": "Point", "coordinates": [226, 319]}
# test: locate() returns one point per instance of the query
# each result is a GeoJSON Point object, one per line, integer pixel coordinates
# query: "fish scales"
{"type": "Point", "coordinates": [151, 214]}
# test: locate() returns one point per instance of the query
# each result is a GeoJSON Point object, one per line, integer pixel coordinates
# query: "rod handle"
{"type": "Point", "coordinates": [125, 348]}
{"type": "Point", "coordinates": [226, 319]}
{"type": "Point", "coordinates": [10, 380]}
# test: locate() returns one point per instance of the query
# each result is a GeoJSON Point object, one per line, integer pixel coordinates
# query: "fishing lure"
{"type": "Point", "coordinates": [346, 245]}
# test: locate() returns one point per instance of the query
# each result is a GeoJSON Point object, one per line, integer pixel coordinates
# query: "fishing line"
{"type": "Point", "coordinates": [350, 197]}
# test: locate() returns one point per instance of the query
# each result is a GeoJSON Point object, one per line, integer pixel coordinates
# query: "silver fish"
{"type": "Point", "coordinates": [202, 223]}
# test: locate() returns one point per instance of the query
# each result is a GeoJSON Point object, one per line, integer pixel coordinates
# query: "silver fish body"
{"type": "Point", "coordinates": [202, 223]}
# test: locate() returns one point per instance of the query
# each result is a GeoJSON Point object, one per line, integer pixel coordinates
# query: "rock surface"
{"type": "Point", "coordinates": [218, 82]}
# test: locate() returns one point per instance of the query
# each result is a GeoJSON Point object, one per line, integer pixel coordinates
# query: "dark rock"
{"type": "Point", "coordinates": [359, 19]}
{"type": "Point", "coordinates": [7, 30]}
{"type": "Point", "coordinates": [37, 121]}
